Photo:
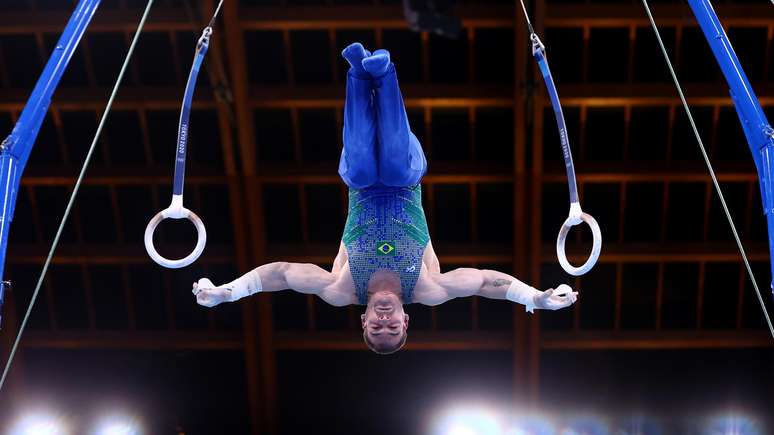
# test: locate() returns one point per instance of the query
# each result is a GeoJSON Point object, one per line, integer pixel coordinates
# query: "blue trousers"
{"type": "Point", "coordinates": [379, 147]}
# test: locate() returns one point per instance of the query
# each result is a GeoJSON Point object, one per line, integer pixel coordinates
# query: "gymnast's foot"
{"type": "Point", "coordinates": [355, 53]}
{"type": "Point", "coordinates": [377, 64]}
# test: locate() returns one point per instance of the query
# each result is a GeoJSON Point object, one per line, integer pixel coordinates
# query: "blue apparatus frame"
{"type": "Point", "coordinates": [16, 148]}
{"type": "Point", "coordinates": [757, 130]}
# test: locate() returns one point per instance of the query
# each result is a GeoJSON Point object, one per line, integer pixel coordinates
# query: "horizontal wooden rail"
{"type": "Point", "coordinates": [418, 340]}
{"type": "Point", "coordinates": [416, 95]}
{"type": "Point", "coordinates": [381, 16]}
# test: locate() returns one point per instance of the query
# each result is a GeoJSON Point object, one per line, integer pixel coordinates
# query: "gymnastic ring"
{"type": "Point", "coordinates": [173, 212]}
{"type": "Point", "coordinates": [570, 222]}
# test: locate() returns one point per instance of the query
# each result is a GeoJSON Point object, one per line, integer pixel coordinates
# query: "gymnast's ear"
{"type": "Point", "coordinates": [405, 320]}
{"type": "Point", "coordinates": [363, 320]}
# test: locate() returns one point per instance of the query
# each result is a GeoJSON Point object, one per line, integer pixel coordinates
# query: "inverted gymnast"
{"type": "Point", "coordinates": [385, 257]}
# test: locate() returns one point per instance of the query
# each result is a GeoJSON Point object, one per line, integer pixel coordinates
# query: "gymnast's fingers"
{"type": "Point", "coordinates": [202, 298]}
{"type": "Point", "coordinates": [202, 284]}
{"type": "Point", "coordinates": [207, 298]}
{"type": "Point", "coordinates": [543, 299]}
{"type": "Point", "coordinates": [570, 298]}
{"type": "Point", "coordinates": [563, 290]}
{"type": "Point", "coordinates": [560, 301]}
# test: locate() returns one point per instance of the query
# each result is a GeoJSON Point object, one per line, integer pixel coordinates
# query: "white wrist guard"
{"type": "Point", "coordinates": [246, 285]}
{"type": "Point", "coordinates": [522, 294]}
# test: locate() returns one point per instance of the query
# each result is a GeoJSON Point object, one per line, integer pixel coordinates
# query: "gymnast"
{"type": "Point", "coordinates": [385, 258]}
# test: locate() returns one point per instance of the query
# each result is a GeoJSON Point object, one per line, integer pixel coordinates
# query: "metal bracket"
{"type": "Point", "coordinates": [5, 144]}
{"type": "Point", "coordinates": [3, 286]}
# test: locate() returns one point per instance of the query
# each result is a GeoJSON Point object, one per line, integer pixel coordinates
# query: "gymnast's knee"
{"type": "Point", "coordinates": [358, 176]}
{"type": "Point", "coordinates": [402, 165]}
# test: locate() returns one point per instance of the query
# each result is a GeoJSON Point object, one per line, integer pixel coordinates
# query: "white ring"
{"type": "Point", "coordinates": [175, 264]}
{"type": "Point", "coordinates": [595, 250]}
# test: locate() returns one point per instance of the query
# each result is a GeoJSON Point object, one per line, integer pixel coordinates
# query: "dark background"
{"type": "Point", "coordinates": [667, 326]}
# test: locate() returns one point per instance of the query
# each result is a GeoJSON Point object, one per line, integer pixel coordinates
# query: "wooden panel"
{"type": "Point", "coordinates": [385, 16]}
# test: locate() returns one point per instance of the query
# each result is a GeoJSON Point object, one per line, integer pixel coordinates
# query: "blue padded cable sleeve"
{"type": "Point", "coordinates": [538, 51]}
{"type": "Point", "coordinates": [185, 114]}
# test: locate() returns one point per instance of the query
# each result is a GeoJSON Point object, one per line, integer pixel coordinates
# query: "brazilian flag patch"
{"type": "Point", "coordinates": [385, 248]}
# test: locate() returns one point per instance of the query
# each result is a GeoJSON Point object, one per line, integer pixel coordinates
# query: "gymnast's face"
{"type": "Point", "coordinates": [385, 324]}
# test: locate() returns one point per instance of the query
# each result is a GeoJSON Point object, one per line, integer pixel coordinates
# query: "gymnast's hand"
{"type": "Point", "coordinates": [554, 299]}
{"type": "Point", "coordinates": [209, 295]}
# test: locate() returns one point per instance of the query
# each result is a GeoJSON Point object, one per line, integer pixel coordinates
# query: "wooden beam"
{"type": "Point", "coordinates": [535, 256]}
{"type": "Point", "coordinates": [150, 340]}
{"type": "Point", "coordinates": [520, 263]}
{"type": "Point", "coordinates": [251, 18]}
{"type": "Point", "coordinates": [659, 340]}
{"type": "Point", "coordinates": [461, 173]}
{"type": "Point", "coordinates": [259, 349]}
{"type": "Point", "coordinates": [298, 96]}
{"type": "Point", "coordinates": [620, 175]}
{"type": "Point", "coordinates": [105, 21]}
{"type": "Point", "coordinates": [102, 177]}
{"type": "Point", "coordinates": [270, 176]}
{"type": "Point", "coordinates": [416, 95]}
{"type": "Point", "coordinates": [129, 98]}
{"type": "Point", "coordinates": [92, 254]}
{"type": "Point", "coordinates": [382, 16]}
{"type": "Point", "coordinates": [626, 15]}
{"type": "Point", "coordinates": [358, 17]}
{"type": "Point", "coordinates": [276, 177]}
{"type": "Point", "coordinates": [559, 340]}
{"type": "Point", "coordinates": [228, 122]}
{"type": "Point", "coordinates": [650, 94]}
{"type": "Point", "coordinates": [667, 253]}
{"type": "Point", "coordinates": [419, 340]}
{"type": "Point", "coordinates": [643, 173]}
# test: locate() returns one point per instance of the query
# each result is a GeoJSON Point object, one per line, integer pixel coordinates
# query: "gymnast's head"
{"type": "Point", "coordinates": [385, 324]}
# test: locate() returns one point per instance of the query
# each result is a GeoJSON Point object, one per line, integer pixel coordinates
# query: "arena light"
{"type": "Point", "coordinates": [530, 424]}
{"type": "Point", "coordinates": [639, 425]}
{"type": "Point", "coordinates": [732, 424]}
{"type": "Point", "coordinates": [587, 424]}
{"type": "Point", "coordinates": [118, 425]}
{"type": "Point", "coordinates": [467, 420]}
{"type": "Point", "coordinates": [39, 423]}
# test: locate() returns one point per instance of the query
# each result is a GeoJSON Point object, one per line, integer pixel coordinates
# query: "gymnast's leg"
{"type": "Point", "coordinates": [357, 166]}
{"type": "Point", "coordinates": [401, 159]}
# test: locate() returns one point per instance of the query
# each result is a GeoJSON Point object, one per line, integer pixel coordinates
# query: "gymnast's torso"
{"type": "Point", "coordinates": [386, 229]}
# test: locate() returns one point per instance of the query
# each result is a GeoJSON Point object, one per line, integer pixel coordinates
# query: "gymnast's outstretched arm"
{"type": "Point", "coordinates": [437, 288]}
{"type": "Point", "coordinates": [301, 277]}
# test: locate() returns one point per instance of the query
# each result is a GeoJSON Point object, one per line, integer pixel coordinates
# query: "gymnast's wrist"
{"type": "Point", "coordinates": [244, 286]}
{"type": "Point", "coordinates": [523, 294]}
